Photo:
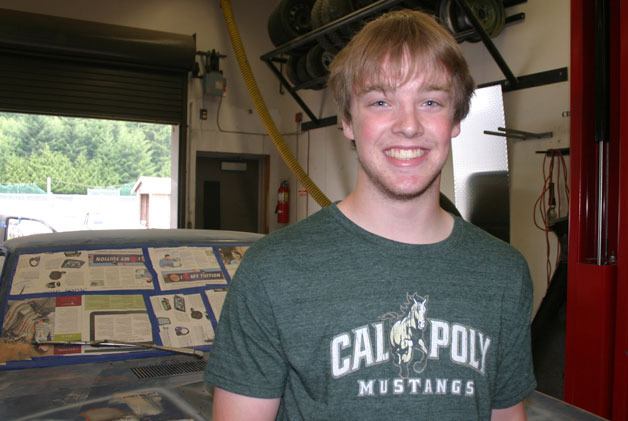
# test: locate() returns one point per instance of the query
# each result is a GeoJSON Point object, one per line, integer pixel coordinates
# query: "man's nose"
{"type": "Point", "coordinates": [407, 122]}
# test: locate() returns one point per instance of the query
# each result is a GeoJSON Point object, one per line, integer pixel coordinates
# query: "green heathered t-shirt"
{"type": "Point", "coordinates": [346, 325]}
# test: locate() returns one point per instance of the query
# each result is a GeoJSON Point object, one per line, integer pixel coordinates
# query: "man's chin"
{"type": "Point", "coordinates": [402, 194]}
{"type": "Point", "coordinates": [400, 189]}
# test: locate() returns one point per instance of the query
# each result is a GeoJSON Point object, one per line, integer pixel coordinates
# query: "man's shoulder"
{"type": "Point", "coordinates": [306, 234]}
{"type": "Point", "coordinates": [501, 267]}
{"type": "Point", "coordinates": [480, 244]}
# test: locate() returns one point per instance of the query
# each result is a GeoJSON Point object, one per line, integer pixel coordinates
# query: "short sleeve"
{"type": "Point", "coordinates": [247, 358]}
{"type": "Point", "coordinates": [515, 372]}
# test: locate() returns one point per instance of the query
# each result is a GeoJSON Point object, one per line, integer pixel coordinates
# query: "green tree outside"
{"type": "Point", "coordinates": [79, 153]}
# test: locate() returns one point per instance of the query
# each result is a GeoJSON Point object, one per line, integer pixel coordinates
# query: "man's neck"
{"type": "Point", "coordinates": [417, 221]}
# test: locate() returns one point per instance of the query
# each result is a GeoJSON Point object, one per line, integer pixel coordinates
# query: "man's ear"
{"type": "Point", "coordinates": [347, 129]}
{"type": "Point", "coordinates": [455, 130]}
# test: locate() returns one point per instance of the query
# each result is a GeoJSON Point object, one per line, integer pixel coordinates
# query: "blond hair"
{"type": "Point", "coordinates": [393, 48]}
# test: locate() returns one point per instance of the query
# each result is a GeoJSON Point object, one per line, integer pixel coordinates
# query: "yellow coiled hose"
{"type": "Point", "coordinates": [262, 110]}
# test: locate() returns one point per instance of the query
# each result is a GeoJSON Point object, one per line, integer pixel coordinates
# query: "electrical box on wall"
{"type": "Point", "coordinates": [214, 83]}
{"type": "Point", "coordinates": [207, 68]}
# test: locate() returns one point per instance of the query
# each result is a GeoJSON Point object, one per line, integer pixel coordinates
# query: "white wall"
{"type": "Point", "coordinates": [159, 211]}
{"type": "Point", "coordinates": [539, 43]}
{"type": "Point", "coordinates": [75, 212]}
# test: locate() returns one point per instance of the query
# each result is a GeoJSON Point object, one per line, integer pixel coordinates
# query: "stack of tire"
{"type": "Point", "coordinates": [308, 66]}
{"type": "Point", "coordinates": [289, 20]}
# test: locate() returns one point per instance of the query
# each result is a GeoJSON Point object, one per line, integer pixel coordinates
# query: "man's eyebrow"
{"type": "Point", "coordinates": [437, 88]}
{"type": "Point", "coordinates": [373, 88]}
{"type": "Point", "coordinates": [383, 89]}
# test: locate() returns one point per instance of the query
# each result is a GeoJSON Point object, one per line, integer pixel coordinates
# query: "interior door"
{"type": "Point", "coordinates": [229, 193]}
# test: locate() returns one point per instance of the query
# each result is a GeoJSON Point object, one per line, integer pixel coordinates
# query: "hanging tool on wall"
{"type": "Point", "coordinates": [519, 134]}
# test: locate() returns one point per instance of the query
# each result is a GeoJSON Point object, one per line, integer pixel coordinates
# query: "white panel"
{"type": "Point", "coordinates": [475, 152]}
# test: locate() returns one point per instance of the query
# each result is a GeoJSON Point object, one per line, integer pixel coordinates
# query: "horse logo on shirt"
{"type": "Point", "coordinates": [406, 335]}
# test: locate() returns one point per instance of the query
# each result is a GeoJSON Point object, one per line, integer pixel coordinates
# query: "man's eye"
{"type": "Point", "coordinates": [379, 103]}
{"type": "Point", "coordinates": [431, 103]}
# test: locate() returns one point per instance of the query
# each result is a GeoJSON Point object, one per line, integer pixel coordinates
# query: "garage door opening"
{"type": "Point", "coordinates": [84, 174]}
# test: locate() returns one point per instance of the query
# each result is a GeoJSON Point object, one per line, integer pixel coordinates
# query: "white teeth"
{"type": "Point", "coordinates": [404, 153]}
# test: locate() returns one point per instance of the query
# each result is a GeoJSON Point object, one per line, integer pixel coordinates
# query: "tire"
{"type": "Point", "coordinates": [330, 11]}
{"type": "Point", "coordinates": [296, 70]}
{"type": "Point", "coordinates": [490, 13]}
{"type": "Point", "coordinates": [291, 70]}
{"type": "Point", "coordinates": [318, 61]}
{"type": "Point", "coordinates": [290, 19]}
{"type": "Point", "coordinates": [302, 74]}
{"type": "Point", "coordinates": [315, 14]}
{"type": "Point", "coordinates": [317, 21]}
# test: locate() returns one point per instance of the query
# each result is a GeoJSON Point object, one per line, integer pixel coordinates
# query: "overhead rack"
{"type": "Point", "coordinates": [276, 58]}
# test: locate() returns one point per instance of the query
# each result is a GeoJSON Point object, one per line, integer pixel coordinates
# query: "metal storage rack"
{"type": "Point", "coordinates": [275, 58]}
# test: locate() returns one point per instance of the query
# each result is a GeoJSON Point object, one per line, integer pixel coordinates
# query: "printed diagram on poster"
{"type": "Point", "coordinates": [216, 298]}
{"type": "Point", "coordinates": [116, 317]}
{"type": "Point", "coordinates": [94, 270]}
{"type": "Point", "coordinates": [183, 320]}
{"type": "Point", "coordinates": [186, 267]}
{"type": "Point", "coordinates": [73, 318]}
{"type": "Point", "coordinates": [231, 257]}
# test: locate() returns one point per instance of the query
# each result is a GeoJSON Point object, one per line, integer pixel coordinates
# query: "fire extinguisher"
{"type": "Point", "coordinates": [283, 204]}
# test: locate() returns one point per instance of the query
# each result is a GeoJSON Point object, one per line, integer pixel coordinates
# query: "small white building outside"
{"type": "Point", "coordinates": [154, 199]}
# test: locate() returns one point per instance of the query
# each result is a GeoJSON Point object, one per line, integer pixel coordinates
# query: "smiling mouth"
{"type": "Point", "coordinates": [404, 154]}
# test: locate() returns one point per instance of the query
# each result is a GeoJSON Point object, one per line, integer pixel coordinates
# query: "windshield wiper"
{"type": "Point", "coordinates": [106, 342]}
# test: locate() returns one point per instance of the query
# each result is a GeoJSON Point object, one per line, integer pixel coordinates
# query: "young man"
{"type": "Point", "coordinates": [383, 306]}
